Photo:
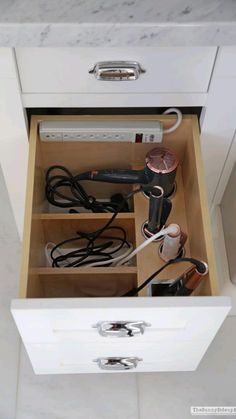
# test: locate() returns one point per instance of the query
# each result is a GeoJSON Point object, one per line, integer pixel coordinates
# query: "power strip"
{"type": "Point", "coordinates": [118, 131]}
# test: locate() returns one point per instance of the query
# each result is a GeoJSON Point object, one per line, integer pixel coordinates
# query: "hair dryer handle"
{"type": "Point", "coordinates": [119, 176]}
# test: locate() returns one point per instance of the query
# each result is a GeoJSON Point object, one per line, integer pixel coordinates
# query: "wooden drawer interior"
{"type": "Point", "coordinates": [45, 223]}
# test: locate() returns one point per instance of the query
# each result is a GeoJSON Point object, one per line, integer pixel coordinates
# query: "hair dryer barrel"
{"type": "Point", "coordinates": [155, 210]}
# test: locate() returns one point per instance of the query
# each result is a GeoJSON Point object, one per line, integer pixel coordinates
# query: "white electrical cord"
{"type": "Point", "coordinates": [171, 229]}
{"type": "Point", "coordinates": [117, 259]}
{"type": "Point", "coordinates": [178, 122]}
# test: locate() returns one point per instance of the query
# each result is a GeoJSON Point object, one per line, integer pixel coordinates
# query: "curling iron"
{"type": "Point", "coordinates": [184, 285]}
{"type": "Point", "coordinates": [189, 280]}
{"type": "Point", "coordinates": [173, 245]}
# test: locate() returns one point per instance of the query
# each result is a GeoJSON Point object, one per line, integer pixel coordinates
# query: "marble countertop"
{"type": "Point", "coordinates": [117, 22]}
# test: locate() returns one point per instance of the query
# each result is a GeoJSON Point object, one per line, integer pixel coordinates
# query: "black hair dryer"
{"type": "Point", "coordinates": [160, 170]}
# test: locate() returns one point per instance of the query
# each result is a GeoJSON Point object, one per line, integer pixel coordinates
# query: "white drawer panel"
{"type": "Point", "coordinates": [71, 320]}
{"type": "Point", "coordinates": [66, 70]}
{"type": "Point", "coordinates": [74, 358]}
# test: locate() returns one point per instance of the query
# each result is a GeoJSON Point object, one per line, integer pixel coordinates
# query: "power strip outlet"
{"type": "Point", "coordinates": [106, 131]}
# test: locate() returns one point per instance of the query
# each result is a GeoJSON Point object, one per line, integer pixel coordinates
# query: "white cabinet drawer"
{"type": "Point", "coordinates": [66, 70]}
{"type": "Point", "coordinates": [55, 314]}
{"type": "Point", "coordinates": [77, 358]}
{"type": "Point", "coordinates": [167, 319]}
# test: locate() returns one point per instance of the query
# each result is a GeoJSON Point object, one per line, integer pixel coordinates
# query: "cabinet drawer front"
{"type": "Point", "coordinates": [183, 355]}
{"type": "Point", "coordinates": [73, 320]}
{"type": "Point", "coordinates": [66, 70]}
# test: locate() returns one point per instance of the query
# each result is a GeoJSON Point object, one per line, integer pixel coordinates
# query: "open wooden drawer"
{"type": "Point", "coordinates": [63, 314]}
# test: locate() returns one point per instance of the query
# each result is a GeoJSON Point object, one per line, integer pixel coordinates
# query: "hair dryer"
{"type": "Point", "coordinates": [160, 170]}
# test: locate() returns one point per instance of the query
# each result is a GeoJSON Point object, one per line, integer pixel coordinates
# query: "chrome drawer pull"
{"type": "Point", "coordinates": [121, 329]}
{"type": "Point", "coordinates": [117, 363]}
{"type": "Point", "coordinates": [117, 70]}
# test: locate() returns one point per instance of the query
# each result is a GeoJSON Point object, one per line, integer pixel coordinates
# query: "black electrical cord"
{"type": "Point", "coordinates": [200, 266]}
{"type": "Point", "coordinates": [93, 251]}
{"type": "Point", "coordinates": [97, 244]}
{"type": "Point", "coordinates": [76, 196]}
{"type": "Point", "coordinates": [126, 198]}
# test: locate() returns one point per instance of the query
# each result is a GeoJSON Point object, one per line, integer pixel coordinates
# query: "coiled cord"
{"type": "Point", "coordinates": [99, 250]}
{"type": "Point", "coordinates": [56, 184]}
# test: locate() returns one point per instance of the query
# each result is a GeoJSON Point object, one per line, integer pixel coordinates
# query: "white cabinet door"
{"type": "Point", "coordinates": [218, 124]}
{"type": "Point", "coordinates": [14, 137]}
{"type": "Point", "coordinates": [60, 336]}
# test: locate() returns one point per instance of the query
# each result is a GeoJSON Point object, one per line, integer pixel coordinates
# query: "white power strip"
{"type": "Point", "coordinates": [118, 131]}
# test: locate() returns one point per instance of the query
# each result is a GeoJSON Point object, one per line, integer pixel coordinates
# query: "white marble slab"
{"type": "Point", "coordinates": [9, 280]}
{"type": "Point", "coordinates": [83, 396]}
{"type": "Point", "coordinates": [123, 11]}
{"type": "Point", "coordinates": [117, 23]}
